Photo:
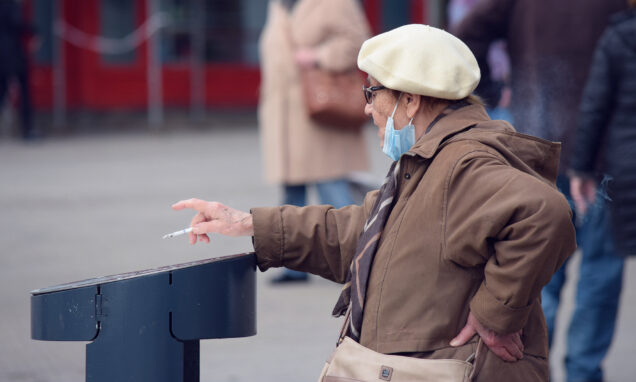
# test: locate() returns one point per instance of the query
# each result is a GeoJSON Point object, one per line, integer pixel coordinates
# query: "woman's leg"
{"type": "Point", "coordinates": [296, 194]}
{"type": "Point", "coordinates": [335, 192]}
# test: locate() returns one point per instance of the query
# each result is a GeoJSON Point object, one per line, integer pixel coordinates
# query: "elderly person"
{"type": "Point", "coordinates": [456, 245]}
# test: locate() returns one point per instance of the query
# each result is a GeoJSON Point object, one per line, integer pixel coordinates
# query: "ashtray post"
{"type": "Point", "coordinates": [146, 326]}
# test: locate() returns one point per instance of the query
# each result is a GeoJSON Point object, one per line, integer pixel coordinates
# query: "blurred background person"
{"type": "Point", "coordinates": [297, 151]}
{"type": "Point", "coordinates": [14, 31]}
{"type": "Point", "coordinates": [604, 144]}
{"type": "Point", "coordinates": [550, 54]}
{"type": "Point", "coordinates": [497, 94]}
{"type": "Point", "coordinates": [608, 115]}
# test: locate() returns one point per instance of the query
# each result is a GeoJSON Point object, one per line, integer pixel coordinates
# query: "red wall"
{"type": "Point", "coordinates": [94, 84]}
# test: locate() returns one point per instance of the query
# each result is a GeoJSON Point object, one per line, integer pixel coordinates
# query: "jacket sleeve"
{"type": "Point", "coordinates": [348, 28]}
{"type": "Point", "coordinates": [596, 107]}
{"type": "Point", "coordinates": [316, 239]}
{"type": "Point", "coordinates": [483, 25]}
{"type": "Point", "coordinates": [518, 229]}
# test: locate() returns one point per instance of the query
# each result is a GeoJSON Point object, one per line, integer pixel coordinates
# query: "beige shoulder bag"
{"type": "Point", "coordinates": [352, 362]}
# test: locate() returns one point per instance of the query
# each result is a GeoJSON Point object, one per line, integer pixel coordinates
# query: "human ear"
{"type": "Point", "coordinates": [413, 102]}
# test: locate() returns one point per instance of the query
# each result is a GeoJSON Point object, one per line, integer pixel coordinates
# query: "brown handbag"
{"type": "Point", "coordinates": [334, 99]}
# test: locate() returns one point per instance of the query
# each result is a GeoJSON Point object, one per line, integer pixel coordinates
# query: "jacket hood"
{"type": "Point", "coordinates": [529, 154]}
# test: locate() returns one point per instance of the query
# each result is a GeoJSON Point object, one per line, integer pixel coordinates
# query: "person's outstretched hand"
{"type": "Point", "coordinates": [507, 347]}
{"type": "Point", "coordinates": [213, 217]}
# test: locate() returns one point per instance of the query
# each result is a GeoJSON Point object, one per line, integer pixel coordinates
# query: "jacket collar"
{"type": "Point", "coordinates": [449, 125]}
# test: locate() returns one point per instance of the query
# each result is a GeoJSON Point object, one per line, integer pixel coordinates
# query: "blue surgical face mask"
{"type": "Point", "coordinates": [397, 142]}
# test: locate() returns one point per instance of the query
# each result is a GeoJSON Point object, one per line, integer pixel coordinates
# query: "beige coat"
{"type": "Point", "coordinates": [295, 149]}
{"type": "Point", "coordinates": [478, 225]}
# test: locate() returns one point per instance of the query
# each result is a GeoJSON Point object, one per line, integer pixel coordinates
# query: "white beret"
{"type": "Point", "coordinates": [421, 59]}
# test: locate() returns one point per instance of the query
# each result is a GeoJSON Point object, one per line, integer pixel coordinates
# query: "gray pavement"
{"type": "Point", "coordinates": [90, 205]}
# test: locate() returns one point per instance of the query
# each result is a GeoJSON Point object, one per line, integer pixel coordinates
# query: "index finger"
{"type": "Point", "coordinates": [196, 204]}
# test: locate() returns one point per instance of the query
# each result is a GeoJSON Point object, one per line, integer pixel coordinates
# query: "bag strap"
{"type": "Point", "coordinates": [345, 325]}
{"type": "Point", "coordinates": [477, 358]}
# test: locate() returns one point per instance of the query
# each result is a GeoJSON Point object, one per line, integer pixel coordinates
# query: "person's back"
{"type": "Point", "coordinates": [621, 42]}
{"type": "Point", "coordinates": [550, 44]}
{"type": "Point", "coordinates": [608, 114]}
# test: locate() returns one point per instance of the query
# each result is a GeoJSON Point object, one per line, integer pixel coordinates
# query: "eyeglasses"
{"type": "Point", "coordinates": [368, 92]}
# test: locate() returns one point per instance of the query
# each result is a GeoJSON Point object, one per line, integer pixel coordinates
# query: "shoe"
{"type": "Point", "coordinates": [285, 278]}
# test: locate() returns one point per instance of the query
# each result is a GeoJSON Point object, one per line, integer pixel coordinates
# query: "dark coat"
{"type": "Point", "coordinates": [550, 44]}
{"type": "Point", "coordinates": [12, 30]}
{"type": "Point", "coordinates": [608, 114]}
{"type": "Point", "coordinates": [478, 225]}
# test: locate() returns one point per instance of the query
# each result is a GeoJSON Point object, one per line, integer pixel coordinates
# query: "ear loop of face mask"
{"type": "Point", "coordinates": [388, 129]}
{"type": "Point", "coordinates": [396, 105]}
{"type": "Point", "coordinates": [397, 142]}
{"type": "Point", "coordinates": [393, 114]}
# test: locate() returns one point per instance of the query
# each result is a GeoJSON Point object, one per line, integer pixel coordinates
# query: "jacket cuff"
{"type": "Point", "coordinates": [495, 314]}
{"type": "Point", "coordinates": [269, 242]}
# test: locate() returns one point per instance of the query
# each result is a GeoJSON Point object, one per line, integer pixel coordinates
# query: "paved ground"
{"type": "Point", "coordinates": [89, 205]}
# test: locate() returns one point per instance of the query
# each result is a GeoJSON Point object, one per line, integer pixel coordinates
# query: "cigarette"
{"type": "Point", "coordinates": [178, 233]}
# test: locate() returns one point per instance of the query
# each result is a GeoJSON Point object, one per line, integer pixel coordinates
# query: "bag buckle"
{"type": "Point", "coordinates": [386, 373]}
